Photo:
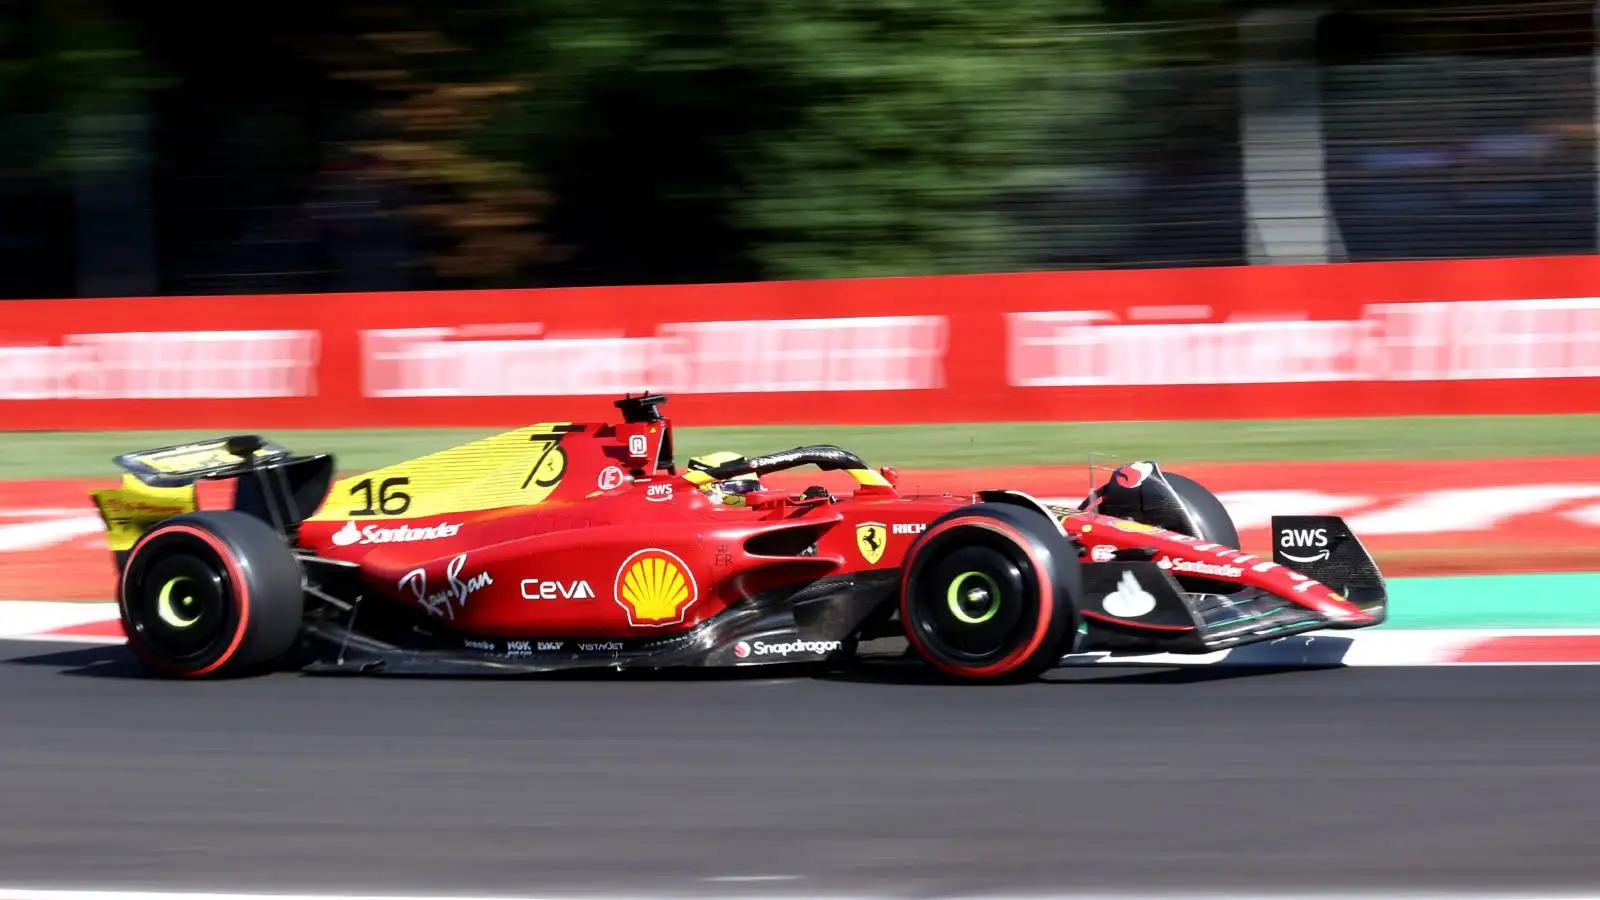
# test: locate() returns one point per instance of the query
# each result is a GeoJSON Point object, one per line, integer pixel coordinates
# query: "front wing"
{"type": "Point", "coordinates": [1179, 620]}
{"type": "Point", "coordinates": [1137, 606]}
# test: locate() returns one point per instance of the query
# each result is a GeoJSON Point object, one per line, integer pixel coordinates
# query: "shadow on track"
{"type": "Point", "coordinates": [99, 661]}
{"type": "Point", "coordinates": [915, 674]}
{"type": "Point", "coordinates": [117, 662]}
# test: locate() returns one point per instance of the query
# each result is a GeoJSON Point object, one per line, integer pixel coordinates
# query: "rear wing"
{"type": "Point", "coordinates": [274, 485]}
{"type": "Point", "coordinates": [185, 464]}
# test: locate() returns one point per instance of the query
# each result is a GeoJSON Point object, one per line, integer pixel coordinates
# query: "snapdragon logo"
{"type": "Point", "coordinates": [747, 649]}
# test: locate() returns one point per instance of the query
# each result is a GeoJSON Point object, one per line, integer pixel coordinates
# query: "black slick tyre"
{"type": "Point", "coordinates": [990, 593]}
{"type": "Point", "coordinates": [211, 594]}
{"type": "Point", "coordinates": [1214, 525]}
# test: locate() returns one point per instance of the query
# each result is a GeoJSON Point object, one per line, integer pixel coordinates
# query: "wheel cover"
{"type": "Point", "coordinates": [178, 601]}
{"type": "Point", "coordinates": [975, 600]}
{"type": "Point", "coordinates": [170, 608]}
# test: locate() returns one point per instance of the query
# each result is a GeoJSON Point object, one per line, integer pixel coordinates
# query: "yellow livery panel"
{"type": "Point", "coordinates": [515, 468]}
{"type": "Point", "coordinates": [135, 507]}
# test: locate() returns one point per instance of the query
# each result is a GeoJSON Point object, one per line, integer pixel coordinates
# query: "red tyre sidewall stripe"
{"type": "Point", "coordinates": [241, 591]}
{"type": "Point", "coordinates": [1046, 607]}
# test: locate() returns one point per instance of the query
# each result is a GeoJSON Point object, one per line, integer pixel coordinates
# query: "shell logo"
{"type": "Point", "coordinates": [655, 588]}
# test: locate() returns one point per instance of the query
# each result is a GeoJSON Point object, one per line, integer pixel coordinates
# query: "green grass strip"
{"type": "Point", "coordinates": [88, 454]}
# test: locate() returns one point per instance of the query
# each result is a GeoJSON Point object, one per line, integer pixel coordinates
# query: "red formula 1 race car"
{"type": "Point", "coordinates": [568, 545]}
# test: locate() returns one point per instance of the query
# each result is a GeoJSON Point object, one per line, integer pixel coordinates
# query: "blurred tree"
{"type": "Point", "coordinates": [639, 110]}
{"type": "Point", "coordinates": [694, 140]}
{"type": "Point", "coordinates": [908, 121]}
{"type": "Point", "coordinates": [612, 141]}
{"type": "Point", "coordinates": [433, 101]}
{"type": "Point", "coordinates": [73, 58]}
{"type": "Point", "coordinates": [708, 139]}
{"type": "Point", "coordinates": [76, 87]}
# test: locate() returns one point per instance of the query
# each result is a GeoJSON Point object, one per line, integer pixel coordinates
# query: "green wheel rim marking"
{"type": "Point", "coordinates": [168, 611]}
{"type": "Point", "coordinates": [953, 597]}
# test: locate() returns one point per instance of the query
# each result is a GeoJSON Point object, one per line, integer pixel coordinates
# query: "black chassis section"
{"type": "Point", "coordinates": [377, 636]}
{"type": "Point", "coordinates": [829, 617]}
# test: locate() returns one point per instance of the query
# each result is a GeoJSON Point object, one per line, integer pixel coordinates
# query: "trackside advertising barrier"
{"type": "Point", "coordinates": [1476, 336]}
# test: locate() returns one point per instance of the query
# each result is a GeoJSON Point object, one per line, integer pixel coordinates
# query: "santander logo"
{"type": "Point", "coordinates": [401, 534]}
{"type": "Point", "coordinates": [1199, 568]}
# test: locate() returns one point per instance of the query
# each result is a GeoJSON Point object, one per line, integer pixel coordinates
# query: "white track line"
{"type": "Point", "coordinates": [29, 617]}
{"type": "Point", "coordinates": [1130, 894]}
{"type": "Point", "coordinates": [28, 536]}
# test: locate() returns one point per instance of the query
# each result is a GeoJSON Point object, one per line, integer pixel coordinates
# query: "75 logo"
{"type": "Point", "coordinates": [551, 463]}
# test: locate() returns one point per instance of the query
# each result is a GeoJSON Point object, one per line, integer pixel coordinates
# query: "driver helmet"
{"type": "Point", "coordinates": [729, 491]}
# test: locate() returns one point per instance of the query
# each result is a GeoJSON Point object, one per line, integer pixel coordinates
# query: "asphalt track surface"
{"type": "Point", "coordinates": [1105, 779]}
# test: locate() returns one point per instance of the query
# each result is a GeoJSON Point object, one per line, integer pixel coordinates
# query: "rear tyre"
{"type": "Point", "coordinates": [211, 594]}
{"type": "Point", "coordinates": [991, 592]}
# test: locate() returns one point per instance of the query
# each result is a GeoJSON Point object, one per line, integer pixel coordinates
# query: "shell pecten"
{"type": "Point", "coordinates": [655, 588]}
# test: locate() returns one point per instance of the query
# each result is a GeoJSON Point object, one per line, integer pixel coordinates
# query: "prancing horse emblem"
{"type": "Point", "coordinates": [870, 541]}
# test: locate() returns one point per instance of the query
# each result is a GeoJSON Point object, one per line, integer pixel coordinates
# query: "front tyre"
{"type": "Point", "coordinates": [990, 592]}
{"type": "Point", "coordinates": [211, 594]}
{"type": "Point", "coordinates": [1209, 518]}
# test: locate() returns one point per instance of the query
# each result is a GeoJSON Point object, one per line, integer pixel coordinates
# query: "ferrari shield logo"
{"type": "Point", "coordinates": [871, 538]}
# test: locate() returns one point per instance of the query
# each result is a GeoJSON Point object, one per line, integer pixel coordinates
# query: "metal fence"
{"type": "Point", "coordinates": [1418, 158]}
{"type": "Point", "coordinates": [1415, 159]}
{"type": "Point", "coordinates": [1158, 180]}
{"type": "Point", "coordinates": [1462, 157]}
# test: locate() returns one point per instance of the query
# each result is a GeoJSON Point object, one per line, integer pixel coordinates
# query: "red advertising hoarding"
{"type": "Point", "coordinates": [1474, 336]}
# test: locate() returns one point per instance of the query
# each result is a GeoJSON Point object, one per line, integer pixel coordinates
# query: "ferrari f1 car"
{"type": "Point", "coordinates": [566, 545]}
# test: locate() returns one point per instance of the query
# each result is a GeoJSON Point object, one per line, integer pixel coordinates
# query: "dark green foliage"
{"type": "Point", "coordinates": [625, 141]}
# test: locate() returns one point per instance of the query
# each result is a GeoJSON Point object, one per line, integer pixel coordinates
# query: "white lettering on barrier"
{"type": "Point", "coordinates": [1431, 341]}
{"type": "Point", "coordinates": [163, 365]}
{"type": "Point", "coordinates": [1496, 339]}
{"type": "Point", "coordinates": [757, 356]}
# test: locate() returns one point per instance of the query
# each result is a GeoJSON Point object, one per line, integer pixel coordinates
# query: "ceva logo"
{"type": "Point", "coordinates": [534, 589]}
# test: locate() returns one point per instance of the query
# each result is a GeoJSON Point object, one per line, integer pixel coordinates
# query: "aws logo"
{"type": "Point", "coordinates": [655, 588]}
{"type": "Point", "coordinates": [1312, 543]}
